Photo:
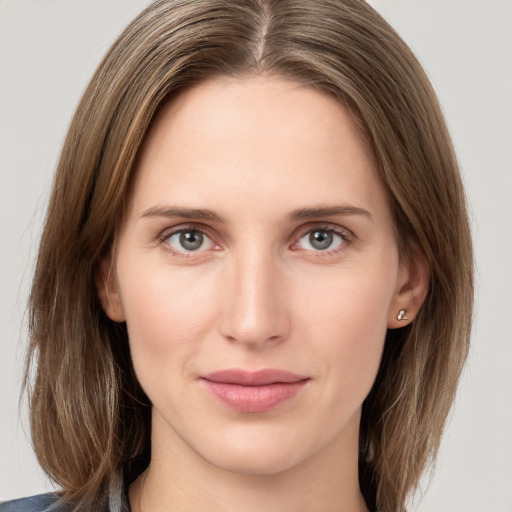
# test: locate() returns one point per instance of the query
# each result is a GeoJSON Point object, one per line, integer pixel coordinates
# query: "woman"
{"type": "Point", "coordinates": [254, 284]}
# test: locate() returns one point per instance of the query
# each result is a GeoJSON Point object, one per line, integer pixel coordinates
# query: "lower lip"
{"type": "Point", "coordinates": [254, 398]}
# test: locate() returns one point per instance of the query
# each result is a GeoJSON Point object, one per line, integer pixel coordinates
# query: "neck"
{"type": "Point", "coordinates": [179, 479]}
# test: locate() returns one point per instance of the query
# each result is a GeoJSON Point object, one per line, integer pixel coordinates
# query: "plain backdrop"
{"type": "Point", "coordinates": [48, 51]}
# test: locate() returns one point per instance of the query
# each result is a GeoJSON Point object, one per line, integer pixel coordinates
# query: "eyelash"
{"type": "Point", "coordinates": [346, 236]}
{"type": "Point", "coordinates": [165, 235]}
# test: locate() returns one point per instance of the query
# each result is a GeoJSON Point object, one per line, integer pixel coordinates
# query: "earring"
{"type": "Point", "coordinates": [401, 315]}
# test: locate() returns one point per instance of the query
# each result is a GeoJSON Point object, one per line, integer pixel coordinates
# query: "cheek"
{"type": "Point", "coordinates": [348, 321]}
{"type": "Point", "coordinates": [162, 311]}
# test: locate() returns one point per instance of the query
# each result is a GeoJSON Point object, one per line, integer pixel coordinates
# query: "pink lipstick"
{"type": "Point", "coordinates": [259, 391]}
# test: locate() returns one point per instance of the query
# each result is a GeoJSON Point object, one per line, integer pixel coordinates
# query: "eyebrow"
{"type": "Point", "coordinates": [296, 215]}
{"type": "Point", "coordinates": [184, 213]}
{"type": "Point", "coordinates": [328, 211]}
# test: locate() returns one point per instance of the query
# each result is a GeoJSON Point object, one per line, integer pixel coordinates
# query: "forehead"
{"type": "Point", "coordinates": [254, 137]}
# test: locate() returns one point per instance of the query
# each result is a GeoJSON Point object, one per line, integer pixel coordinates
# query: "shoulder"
{"type": "Point", "coordinates": [38, 503]}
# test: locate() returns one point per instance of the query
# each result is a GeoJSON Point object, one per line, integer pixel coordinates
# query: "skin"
{"type": "Point", "coordinates": [257, 294]}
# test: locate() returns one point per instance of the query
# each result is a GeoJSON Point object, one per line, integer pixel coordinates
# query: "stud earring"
{"type": "Point", "coordinates": [401, 315]}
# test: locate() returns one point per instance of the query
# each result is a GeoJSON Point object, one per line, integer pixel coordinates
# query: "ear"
{"type": "Point", "coordinates": [108, 291]}
{"type": "Point", "coordinates": [411, 291]}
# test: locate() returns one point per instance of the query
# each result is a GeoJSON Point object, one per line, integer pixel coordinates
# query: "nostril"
{"type": "Point", "coordinates": [253, 308]}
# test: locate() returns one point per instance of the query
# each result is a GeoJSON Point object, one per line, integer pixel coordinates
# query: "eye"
{"type": "Point", "coordinates": [321, 240]}
{"type": "Point", "coordinates": [188, 240]}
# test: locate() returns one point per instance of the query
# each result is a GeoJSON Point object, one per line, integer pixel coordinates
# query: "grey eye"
{"type": "Point", "coordinates": [189, 241]}
{"type": "Point", "coordinates": [321, 240]}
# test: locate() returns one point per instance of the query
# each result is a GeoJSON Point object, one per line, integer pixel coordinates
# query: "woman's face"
{"type": "Point", "coordinates": [257, 271]}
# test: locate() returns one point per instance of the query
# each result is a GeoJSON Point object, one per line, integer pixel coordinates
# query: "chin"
{"type": "Point", "coordinates": [249, 464]}
{"type": "Point", "coordinates": [255, 453]}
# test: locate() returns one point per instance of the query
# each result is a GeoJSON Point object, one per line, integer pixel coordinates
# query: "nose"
{"type": "Point", "coordinates": [254, 301]}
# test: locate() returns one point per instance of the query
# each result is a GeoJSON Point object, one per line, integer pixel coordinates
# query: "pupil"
{"type": "Point", "coordinates": [320, 239]}
{"type": "Point", "coordinates": [191, 240]}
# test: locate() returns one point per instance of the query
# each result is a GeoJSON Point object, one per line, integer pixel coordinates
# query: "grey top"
{"type": "Point", "coordinates": [37, 503]}
{"type": "Point", "coordinates": [117, 502]}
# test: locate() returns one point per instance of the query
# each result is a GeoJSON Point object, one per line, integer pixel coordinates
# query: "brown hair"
{"type": "Point", "coordinates": [90, 419]}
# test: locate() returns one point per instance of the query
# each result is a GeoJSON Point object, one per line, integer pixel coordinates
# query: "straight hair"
{"type": "Point", "coordinates": [90, 419]}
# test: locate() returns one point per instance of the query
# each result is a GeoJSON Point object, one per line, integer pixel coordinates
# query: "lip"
{"type": "Point", "coordinates": [259, 391]}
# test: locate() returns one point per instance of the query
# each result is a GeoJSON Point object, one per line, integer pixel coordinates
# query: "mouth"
{"type": "Point", "coordinates": [253, 392]}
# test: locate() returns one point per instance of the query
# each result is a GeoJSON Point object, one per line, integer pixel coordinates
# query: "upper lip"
{"type": "Point", "coordinates": [253, 378]}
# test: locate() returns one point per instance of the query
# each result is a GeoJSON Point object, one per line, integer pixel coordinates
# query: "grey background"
{"type": "Point", "coordinates": [48, 51]}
